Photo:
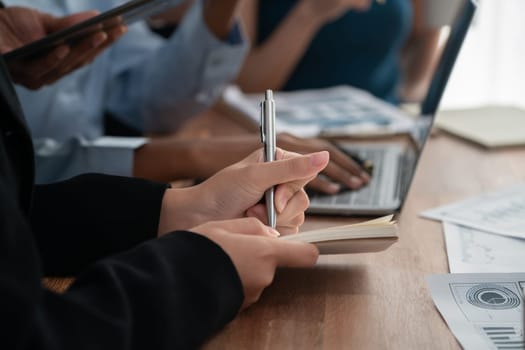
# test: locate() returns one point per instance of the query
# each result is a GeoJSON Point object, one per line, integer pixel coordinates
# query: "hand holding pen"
{"type": "Point", "coordinates": [359, 170]}
{"type": "Point", "coordinates": [269, 140]}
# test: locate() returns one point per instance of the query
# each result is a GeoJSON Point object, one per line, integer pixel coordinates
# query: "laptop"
{"type": "Point", "coordinates": [127, 13]}
{"type": "Point", "coordinates": [395, 162]}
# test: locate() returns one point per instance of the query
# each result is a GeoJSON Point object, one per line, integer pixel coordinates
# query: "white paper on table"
{"type": "Point", "coordinates": [474, 251]}
{"type": "Point", "coordinates": [483, 311]}
{"type": "Point", "coordinates": [117, 142]}
{"type": "Point", "coordinates": [501, 212]}
{"type": "Point", "coordinates": [335, 111]}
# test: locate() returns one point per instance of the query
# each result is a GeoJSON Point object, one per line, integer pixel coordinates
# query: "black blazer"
{"type": "Point", "coordinates": [132, 291]}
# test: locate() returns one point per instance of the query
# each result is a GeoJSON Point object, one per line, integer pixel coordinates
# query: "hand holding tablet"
{"type": "Point", "coordinates": [48, 47]}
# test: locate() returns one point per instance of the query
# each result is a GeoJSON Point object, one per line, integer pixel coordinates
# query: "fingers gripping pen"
{"type": "Point", "coordinates": [269, 140]}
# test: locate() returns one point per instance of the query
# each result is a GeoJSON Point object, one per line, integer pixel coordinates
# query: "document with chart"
{"type": "Point", "coordinates": [483, 311]}
{"type": "Point", "coordinates": [335, 111]}
{"type": "Point", "coordinates": [501, 212]}
{"type": "Point", "coordinates": [473, 251]}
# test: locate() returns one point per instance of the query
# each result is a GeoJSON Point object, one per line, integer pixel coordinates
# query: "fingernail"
{"type": "Point", "coordinates": [355, 182]}
{"type": "Point", "coordinates": [319, 158]}
{"type": "Point", "coordinates": [365, 176]}
{"type": "Point", "coordinates": [334, 188]}
{"type": "Point", "coordinates": [281, 204]}
{"type": "Point", "coordinates": [274, 232]}
{"type": "Point", "coordinates": [99, 39]}
{"type": "Point", "coordinates": [62, 52]}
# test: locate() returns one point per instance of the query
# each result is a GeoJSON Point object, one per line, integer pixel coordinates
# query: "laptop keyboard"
{"type": "Point", "coordinates": [372, 195]}
{"type": "Point", "coordinates": [367, 195]}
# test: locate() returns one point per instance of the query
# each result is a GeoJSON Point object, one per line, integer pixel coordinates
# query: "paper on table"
{"type": "Point", "coordinates": [117, 142]}
{"type": "Point", "coordinates": [474, 251]}
{"type": "Point", "coordinates": [501, 212]}
{"type": "Point", "coordinates": [336, 111]}
{"type": "Point", "coordinates": [483, 311]}
{"type": "Point", "coordinates": [490, 126]}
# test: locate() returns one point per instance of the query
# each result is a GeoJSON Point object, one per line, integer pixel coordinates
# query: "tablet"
{"type": "Point", "coordinates": [126, 13]}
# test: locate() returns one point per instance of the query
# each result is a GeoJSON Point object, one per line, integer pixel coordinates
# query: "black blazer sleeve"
{"type": "Point", "coordinates": [168, 293]}
{"type": "Point", "coordinates": [81, 220]}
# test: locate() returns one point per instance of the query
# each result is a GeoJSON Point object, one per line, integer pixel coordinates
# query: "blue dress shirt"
{"type": "Point", "coordinates": [150, 83]}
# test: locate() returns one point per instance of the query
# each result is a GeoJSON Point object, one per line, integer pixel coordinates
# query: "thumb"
{"type": "Point", "coordinates": [287, 170]}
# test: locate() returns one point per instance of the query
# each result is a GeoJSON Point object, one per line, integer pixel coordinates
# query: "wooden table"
{"type": "Point", "coordinates": [372, 301]}
{"type": "Point", "coordinates": [380, 300]}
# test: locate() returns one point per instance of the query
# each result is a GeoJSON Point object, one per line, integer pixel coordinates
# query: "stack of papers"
{"type": "Point", "coordinates": [485, 233]}
{"type": "Point", "coordinates": [330, 112]}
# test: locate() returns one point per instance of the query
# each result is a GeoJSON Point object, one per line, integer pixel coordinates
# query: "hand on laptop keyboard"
{"type": "Point", "coordinates": [342, 171]}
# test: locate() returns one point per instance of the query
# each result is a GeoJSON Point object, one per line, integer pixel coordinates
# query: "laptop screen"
{"type": "Point", "coordinates": [452, 36]}
{"type": "Point", "coordinates": [394, 165]}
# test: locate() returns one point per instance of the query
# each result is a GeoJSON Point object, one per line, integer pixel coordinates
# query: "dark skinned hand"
{"type": "Point", "coordinates": [20, 26]}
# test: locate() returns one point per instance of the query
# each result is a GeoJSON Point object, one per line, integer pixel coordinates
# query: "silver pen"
{"type": "Point", "coordinates": [268, 139]}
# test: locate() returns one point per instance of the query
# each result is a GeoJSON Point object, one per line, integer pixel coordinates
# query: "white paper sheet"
{"type": "Point", "coordinates": [117, 142]}
{"type": "Point", "coordinates": [474, 251]}
{"type": "Point", "coordinates": [483, 311]}
{"type": "Point", "coordinates": [501, 212]}
{"type": "Point", "coordinates": [341, 110]}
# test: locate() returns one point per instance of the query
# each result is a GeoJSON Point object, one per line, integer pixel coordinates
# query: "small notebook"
{"type": "Point", "coordinates": [365, 237]}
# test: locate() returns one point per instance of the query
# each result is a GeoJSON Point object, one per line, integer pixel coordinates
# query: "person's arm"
{"type": "Point", "coordinates": [111, 214]}
{"type": "Point", "coordinates": [60, 160]}
{"type": "Point", "coordinates": [270, 63]}
{"type": "Point", "coordinates": [419, 56]}
{"type": "Point", "coordinates": [168, 159]}
{"type": "Point", "coordinates": [157, 85]}
{"type": "Point", "coordinates": [219, 16]}
{"type": "Point", "coordinates": [159, 159]}
{"type": "Point", "coordinates": [81, 220]}
{"type": "Point", "coordinates": [170, 293]}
